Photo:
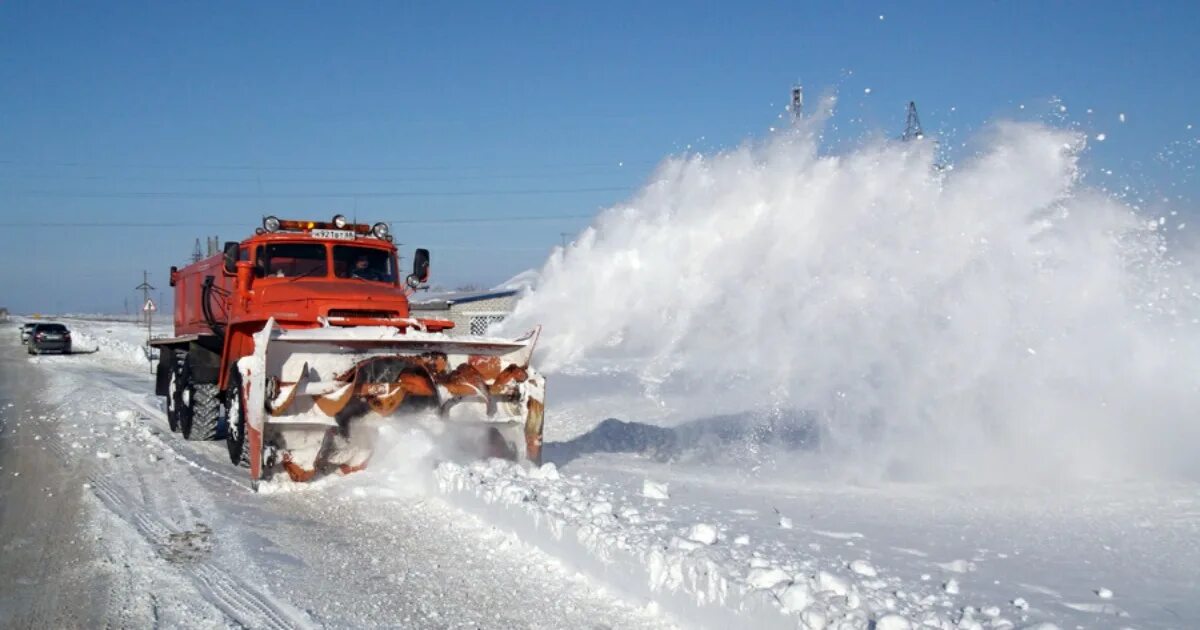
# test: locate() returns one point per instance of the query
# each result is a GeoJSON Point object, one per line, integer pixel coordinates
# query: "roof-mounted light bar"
{"type": "Point", "coordinates": [272, 224]}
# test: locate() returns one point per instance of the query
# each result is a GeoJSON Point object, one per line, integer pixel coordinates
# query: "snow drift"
{"type": "Point", "coordinates": [995, 320]}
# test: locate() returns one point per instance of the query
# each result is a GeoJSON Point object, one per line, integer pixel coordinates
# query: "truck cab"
{"type": "Point", "coordinates": [298, 274]}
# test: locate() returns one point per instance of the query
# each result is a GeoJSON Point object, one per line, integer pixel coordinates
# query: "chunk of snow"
{"type": "Point", "coordinates": [703, 533]}
{"type": "Point", "coordinates": [814, 618]}
{"type": "Point", "coordinates": [893, 622]}
{"type": "Point", "coordinates": [1101, 137]}
{"type": "Point", "coordinates": [742, 540]}
{"type": "Point", "coordinates": [103, 455]}
{"type": "Point", "coordinates": [951, 586]}
{"type": "Point", "coordinates": [834, 584]}
{"type": "Point", "coordinates": [655, 490]}
{"type": "Point", "coordinates": [1121, 117]}
{"type": "Point", "coordinates": [957, 566]}
{"type": "Point", "coordinates": [766, 578]}
{"type": "Point", "coordinates": [1104, 593]}
{"type": "Point", "coordinates": [863, 568]}
{"type": "Point", "coordinates": [795, 597]}
{"type": "Point", "coordinates": [867, 91]}
{"type": "Point", "coordinates": [1020, 603]}
{"type": "Point", "coordinates": [785, 522]}
{"type": "Point", "coordinates": [547, 471]}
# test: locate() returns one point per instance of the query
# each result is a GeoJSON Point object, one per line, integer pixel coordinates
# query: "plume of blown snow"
{"type": "Point", "coordinates": [994, 320]}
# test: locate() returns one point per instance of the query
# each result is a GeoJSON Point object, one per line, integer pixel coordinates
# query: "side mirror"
{"type": "Point", "coordinates": [232, 252]}
{"type": "Point", "coordinates": [420, 268]}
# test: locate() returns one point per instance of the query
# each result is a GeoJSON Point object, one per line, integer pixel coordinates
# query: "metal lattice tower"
{"type": "Point", "coordinates": [797, 101]}
{"type": "Point", "coordinates": [196, 255]}
{"type": "Point", "coordinates": [912, 125]}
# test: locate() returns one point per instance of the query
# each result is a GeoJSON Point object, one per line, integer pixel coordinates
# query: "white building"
{"type": "Point", "coordinates": [471, 311]}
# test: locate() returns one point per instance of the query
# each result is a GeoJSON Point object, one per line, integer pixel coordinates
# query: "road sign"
{"type": "Point", "coordinates": [149, 307]}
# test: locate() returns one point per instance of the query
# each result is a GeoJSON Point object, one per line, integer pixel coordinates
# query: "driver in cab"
{"type": "Point", "coordinates": [363, 269]}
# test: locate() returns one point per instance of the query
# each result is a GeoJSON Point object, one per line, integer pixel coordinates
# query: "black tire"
{"type": "Point", "coordinates": [235, 413]}
{"type": "Point", "coordinates": [199, 409]}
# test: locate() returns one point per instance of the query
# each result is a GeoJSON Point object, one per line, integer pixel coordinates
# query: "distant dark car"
{"type": "Point", "coordinates": [50, 338]}
{"type": "Point", "coordinates": [27, 331]}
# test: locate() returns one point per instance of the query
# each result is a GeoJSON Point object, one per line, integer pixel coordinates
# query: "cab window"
{"type": "Point", "coordinates": [291, 260]}
{"type": "Point", "coordinates": [364, 263]}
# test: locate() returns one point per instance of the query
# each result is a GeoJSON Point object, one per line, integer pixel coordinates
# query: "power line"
{"type": "Point", "coordinates": [303, 180]}
{"type": "Point", "coordinates": [192, 224]}
{"type": "Point", "coordinates": [57, 194]}
{"type": "Point", "coordinates": [261, 167]}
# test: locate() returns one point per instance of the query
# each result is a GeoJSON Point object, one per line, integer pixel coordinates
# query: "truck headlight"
{"type": "Point", "coordinates": [380, 230]}
{"type": "Point", "coordinates": [339, 221]}
{"type": "Point", "coordinates": [270, 224]}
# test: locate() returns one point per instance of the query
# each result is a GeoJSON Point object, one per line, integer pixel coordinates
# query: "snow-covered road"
{"type": "Point", "coordinates": [635, 523]}
{"type": "Point", "coordinates": [188, 544]}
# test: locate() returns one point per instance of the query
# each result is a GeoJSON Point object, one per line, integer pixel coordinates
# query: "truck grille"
{"type": "Point", "coordinates": [353, 314]}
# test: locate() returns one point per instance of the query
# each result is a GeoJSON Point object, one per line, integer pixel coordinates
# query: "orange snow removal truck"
{"type": "Point", "coordinates": [296, 347]}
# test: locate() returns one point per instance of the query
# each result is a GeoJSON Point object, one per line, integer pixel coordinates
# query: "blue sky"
{"type": "Point", "coordinates": [205, 116]}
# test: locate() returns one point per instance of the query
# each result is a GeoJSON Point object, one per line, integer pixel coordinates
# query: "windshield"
{"type": "Point", "coordinates": [363, 262]}
{"type": "Point", "coordinates": [289, 260]}
{"type": "Point", "coordinates": [51, 328]}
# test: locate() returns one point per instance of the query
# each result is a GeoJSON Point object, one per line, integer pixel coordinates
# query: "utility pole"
{"type": "Point", "coordinates": [912, 124]}
{"type": "Point", "coordinates": [145, 288]}
{"type": "Point", "coordinates": [147, 308]}
{"type": "Point", "coordinates": [797, 101]}
{"type": "Point", "coordinates": [196, 255]}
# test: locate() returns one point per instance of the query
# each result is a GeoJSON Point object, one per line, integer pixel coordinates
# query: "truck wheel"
{"type": "Point", "coordinates": [235, 413]}
{"type": "Point", "coordinates": [205, 416]}
{"type": "Point", "coordinates": [199, 408]}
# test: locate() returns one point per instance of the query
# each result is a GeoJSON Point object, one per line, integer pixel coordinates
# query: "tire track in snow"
{"type": "Point", "coordinates": [241, 601]}
{"type": "Point", "coordinates": [149, 513]}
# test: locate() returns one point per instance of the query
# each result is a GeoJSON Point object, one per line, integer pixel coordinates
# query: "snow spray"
{"type": "Point", "coordinates": [995, 321]}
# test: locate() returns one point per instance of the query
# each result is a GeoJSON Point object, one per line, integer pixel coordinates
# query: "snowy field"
{"type": "Point", "coordinates": [633, 521]}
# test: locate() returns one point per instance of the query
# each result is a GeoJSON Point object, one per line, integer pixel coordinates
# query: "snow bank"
{"type": "Point", "coordinates": [695, 570]}
{"type": "Point", "coordinates": [114, 343]}
{"type": "Point", "coordinates": [969, 323]}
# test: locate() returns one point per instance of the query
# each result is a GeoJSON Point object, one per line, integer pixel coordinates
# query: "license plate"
{"type": "Point", "coordinates": [337, 235]}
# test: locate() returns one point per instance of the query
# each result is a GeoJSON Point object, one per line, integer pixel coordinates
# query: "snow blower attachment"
{"type": "Point", "coordinates": [314, 399]}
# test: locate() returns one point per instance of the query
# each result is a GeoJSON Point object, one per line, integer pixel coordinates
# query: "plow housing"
{"type": "Point", "coordinates": [314, 398]}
